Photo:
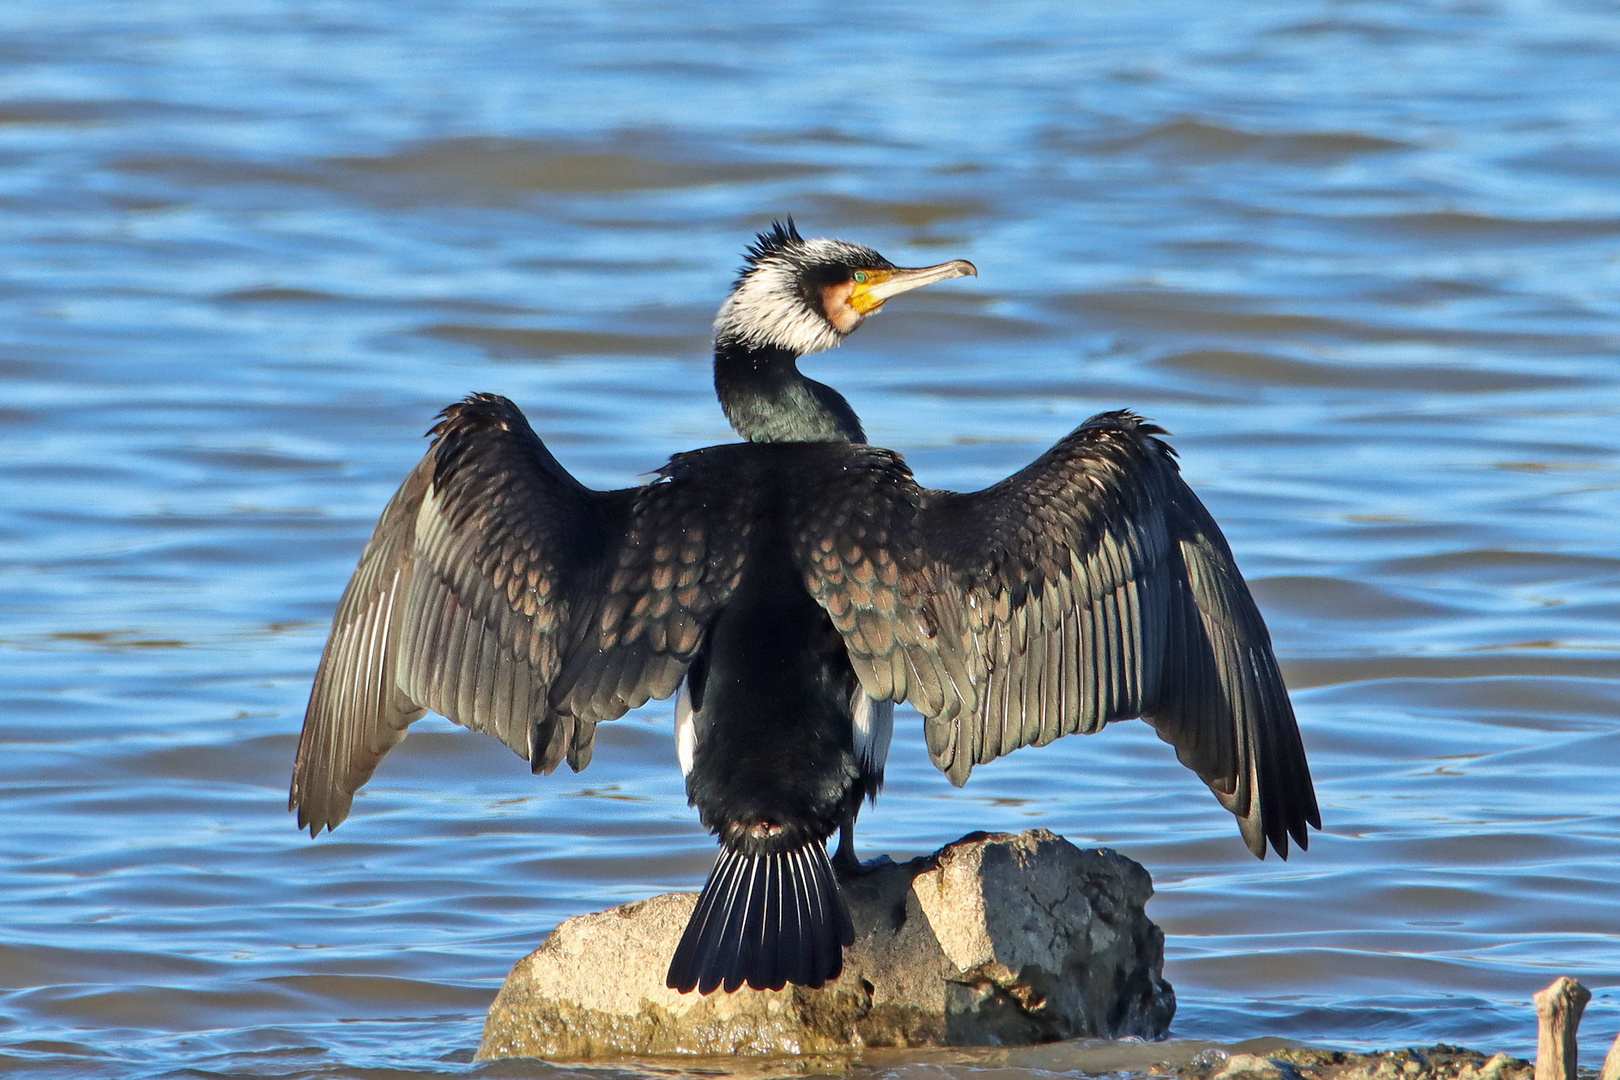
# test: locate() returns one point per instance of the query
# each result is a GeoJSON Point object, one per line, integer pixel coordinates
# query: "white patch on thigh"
{"type": "Point", "coordinates": [873, 722]}
{"type": "Point", "coordinates": [686, 728]}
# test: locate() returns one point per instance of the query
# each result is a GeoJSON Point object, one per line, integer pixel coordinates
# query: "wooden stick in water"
{"type": "Point", "coordinates": [1558, 1009]}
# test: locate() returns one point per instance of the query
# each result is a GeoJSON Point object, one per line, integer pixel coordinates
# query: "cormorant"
{"type": "Point", "coordinates": [792, 588]}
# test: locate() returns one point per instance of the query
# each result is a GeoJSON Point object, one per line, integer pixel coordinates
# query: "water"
{"type": "Point", "coordinates": [1363, 259]}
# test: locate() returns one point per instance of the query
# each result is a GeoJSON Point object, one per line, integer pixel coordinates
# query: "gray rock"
{"type": "Point", "coordinates": [993, 940]}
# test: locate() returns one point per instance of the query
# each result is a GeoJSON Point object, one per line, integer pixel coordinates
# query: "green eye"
{"type": "Point", "coordinates": [860, 277]}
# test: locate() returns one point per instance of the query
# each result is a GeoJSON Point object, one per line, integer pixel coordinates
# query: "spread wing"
{"type": "Point", "coordinates": [1091, 586]}
{"type": "Point", "coordinates": [499, 591]}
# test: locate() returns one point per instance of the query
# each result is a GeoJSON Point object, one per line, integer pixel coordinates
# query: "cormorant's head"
{"type": "Point", "coordinates": [808, 295]}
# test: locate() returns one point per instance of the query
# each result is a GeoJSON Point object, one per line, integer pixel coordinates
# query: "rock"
{"type": "Point", "coordinates": [993, 940]}
{"type": "Point", "coordinates": [1435, 1063]}
{"type": "Point", "coordinates": [1501, 1065]}
{"type": "Point", "coordinates": [1254, 1067]}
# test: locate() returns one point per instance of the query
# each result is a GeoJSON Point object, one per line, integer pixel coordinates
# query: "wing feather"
{"type": "Point", "coordinates": [500, 592]}
{"type": "Point", "coordinates": [1090, 587]}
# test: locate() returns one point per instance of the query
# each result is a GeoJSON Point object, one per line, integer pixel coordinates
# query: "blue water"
{"type": "Point", "coordinates": [1363, 259]}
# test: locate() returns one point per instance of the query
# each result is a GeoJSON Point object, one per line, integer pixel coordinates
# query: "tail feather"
{"type": "Point", "coordinates": [827, 907]}
{"type": "Point", "coordinates": [764, 920]}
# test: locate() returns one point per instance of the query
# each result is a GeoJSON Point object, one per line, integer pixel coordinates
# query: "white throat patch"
{"type": "Point", "coordinates": [767, 308]}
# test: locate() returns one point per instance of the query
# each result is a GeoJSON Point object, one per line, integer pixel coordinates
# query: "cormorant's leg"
{"type": "Point", "coordinates": [844, 861]}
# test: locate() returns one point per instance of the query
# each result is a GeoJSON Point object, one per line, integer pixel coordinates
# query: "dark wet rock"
{"type": "Point", "coordinates": [996, 939]}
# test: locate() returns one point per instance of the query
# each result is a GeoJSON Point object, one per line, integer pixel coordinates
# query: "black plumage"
{"type": "Point", "coordinates": [793, 587]}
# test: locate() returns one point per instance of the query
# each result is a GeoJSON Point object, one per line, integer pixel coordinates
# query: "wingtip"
{"type": "Point", "coordinates": [1276, 838]}
{"type": "Point", "coordinates": [307, 823]}
{"type": "Point", "coordinates": [312, 821]}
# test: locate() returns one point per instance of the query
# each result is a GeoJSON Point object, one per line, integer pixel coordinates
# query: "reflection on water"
{"type": "Point", "coordinates": [1359, 257]}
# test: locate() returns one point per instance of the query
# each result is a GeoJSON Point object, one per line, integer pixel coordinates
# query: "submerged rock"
{"type": "Point", "coordinates": [996, 939]}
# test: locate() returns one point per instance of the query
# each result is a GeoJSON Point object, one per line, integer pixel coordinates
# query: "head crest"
{"type": "Point", "coordinates": [773, 241]}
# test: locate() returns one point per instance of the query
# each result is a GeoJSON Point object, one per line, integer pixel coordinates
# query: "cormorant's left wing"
{"type": "Point", "coordinates": [1089, 587]}
{"type": "Point", "coordinates": [500, 592]}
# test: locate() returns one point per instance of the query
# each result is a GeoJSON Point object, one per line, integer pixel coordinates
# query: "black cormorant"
{"type": "Point", "coordinates": [792, 588]}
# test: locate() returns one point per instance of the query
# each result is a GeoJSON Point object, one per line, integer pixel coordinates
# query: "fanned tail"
{"type": "Point", "coordinates": [766, 920]}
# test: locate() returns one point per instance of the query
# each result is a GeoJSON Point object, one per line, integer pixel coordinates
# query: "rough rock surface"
{"type": "Point", "coordinates": [993, 940]}
{"type": "Point", "coordinates": [1433, 1063]}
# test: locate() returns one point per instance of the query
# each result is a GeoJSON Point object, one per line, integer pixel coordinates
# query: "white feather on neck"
{"type": "Point", "coordinates": [768, 309]}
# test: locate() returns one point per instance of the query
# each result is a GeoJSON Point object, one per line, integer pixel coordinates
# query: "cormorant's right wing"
{"type": "Point", "coordinates": [500, 592]}
{"type": "Point", "coordinates": [1089, 587]}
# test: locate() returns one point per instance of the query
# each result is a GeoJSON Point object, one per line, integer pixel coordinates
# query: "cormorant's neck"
{"type": "Point", "coordinates": [767, 400]}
